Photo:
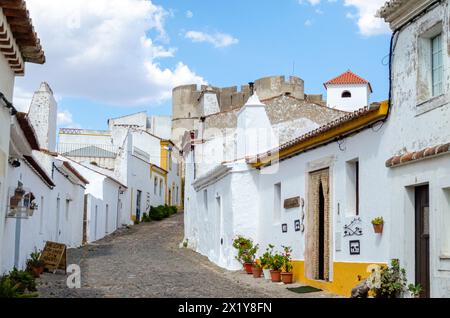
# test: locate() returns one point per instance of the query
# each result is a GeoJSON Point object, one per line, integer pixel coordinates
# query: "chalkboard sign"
{"type": "Point", "coordinates": [54, 257]}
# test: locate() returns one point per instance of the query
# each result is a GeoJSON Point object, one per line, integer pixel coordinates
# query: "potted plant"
{"type": "Point", "coordinates": [246, 252]}
{"type": "Point", "coordinates": [415, 290]}
{"type": "Point", "coordinates": [276, 266]}
{"type": "Point", "coordinates": [287, 275]}
{"type": "Point", "coordinates": [378, 225]}
{"type": "Point", "coordinates": [257, 269]}
{"type": "Point", "coordinates": [266, 260]}
{"type": "Point", "coordinates": [34, 265]}
{"type": "Point", "coordinates": [392, 281]}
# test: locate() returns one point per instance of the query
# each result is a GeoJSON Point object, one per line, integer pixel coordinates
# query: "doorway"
{"type": "Point", "coordinates": [138, 206]}
{"type": "Point", "coordinates": [58, 212]}
{"type": "Point", "coordinates": [317, 256]}
{"type": "Point", "coordinates": [219, 228]}
{"type": "Point", "coordinates": [422, 239]}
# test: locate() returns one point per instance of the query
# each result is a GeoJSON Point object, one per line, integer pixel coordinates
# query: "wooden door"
{"type": "Point", "coordinates": [423, 239]}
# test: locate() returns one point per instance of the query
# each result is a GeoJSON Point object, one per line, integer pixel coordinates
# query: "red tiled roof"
{"type": "Point", "coordinates": [348, 78]}
{"type": "Point", "coordinates": [75, 172]}
{"type": "Point", "coordinates": [374, 113]}
{"type": "Point", "coordinates": [418, 155]}
{"type": "Point", "coordinates": [28, 130]}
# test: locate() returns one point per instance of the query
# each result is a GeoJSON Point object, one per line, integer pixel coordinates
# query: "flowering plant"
{"type": "Point", "coordinates": [287, 264]}
{"type": "Point", "coordinates": [266, 258]}
{"type": "Point", "coordinates": [246, 249]}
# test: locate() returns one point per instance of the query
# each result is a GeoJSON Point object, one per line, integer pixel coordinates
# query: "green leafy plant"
{"type": "Point", "coordinates": [277, 262]}
{"type": "Point", "coordinates": [392, 281]}
{"type": "Point", "coordinates": [266, 258]}
{"type": "Point", "coordinates": [23, 280]}
{"type": "Point", "coordinates": [246, 249]}
{"type": "Point", "coordinates": [35, 260]}
{"type": "Point", "coordinates": [186, 243]}
{"type": "Point", "coordinates": [287, 259]}
{"type": "Point", "coordinates": [8, 289]}
{"type": "Point", "coordinates": [378, 221]}
{"type": "Point", "coordinates": [415, 290]}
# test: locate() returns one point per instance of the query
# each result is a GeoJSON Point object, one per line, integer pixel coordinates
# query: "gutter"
{"type": "Point", "coordinates": [8, 104]}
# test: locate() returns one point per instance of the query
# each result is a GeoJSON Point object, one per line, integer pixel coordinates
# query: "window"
{"type": "Point", "coordinates": [178, 198]}
{"type": "Point", "coordinates": [277, 203]}
{"type": "Point", "coordinates": [430, 68]}
{"type": "Point", "coordinates": [205, 200]}
{"type": "Point", "coordinates": [155, 186]}
{"type": "Point", "coordinates": [107, 219]}
{"type": "Point", "coordinates": [436, 64]}
{"type": "Point", "coordinates": [353, 188]}
{"type": "Point", "coordinates": [170, 160]}
{"type": "Point", "coordinates": [160, 187]}
{"type": "Point", "coordinates": [346, 94]}
{"type": "Point", "coordinates": [67, 210]}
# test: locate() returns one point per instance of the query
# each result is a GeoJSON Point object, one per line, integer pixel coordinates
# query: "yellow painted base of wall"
{"type": "Point", "coordinates": [346, 276]}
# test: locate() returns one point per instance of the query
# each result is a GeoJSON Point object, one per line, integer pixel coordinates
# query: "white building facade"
{"type": "Point", "coordinates": [319, 192]}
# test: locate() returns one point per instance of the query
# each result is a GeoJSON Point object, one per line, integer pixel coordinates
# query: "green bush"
{"type": "Point", "coordinates": [146, 218]}
{"type": "Point", "coordinates": [156, 213]}
{"type": "Point", "coordinates": [8, 289]}
{"type": "Point", "coordinates": [161, 212]}
{"type": "Point", "coordinates": [23, 280]}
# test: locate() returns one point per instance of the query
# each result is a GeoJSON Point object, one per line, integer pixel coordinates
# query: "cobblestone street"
{"type": "Point", "coordinates": [146, 261]}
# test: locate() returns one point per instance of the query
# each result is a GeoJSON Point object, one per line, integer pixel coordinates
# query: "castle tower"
{"type": "Point", "coordinates": [43, 116]}
{"type": "Point", "coordinates": [348, 92]}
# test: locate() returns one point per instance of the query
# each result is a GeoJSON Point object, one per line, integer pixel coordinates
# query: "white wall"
{"type": "Point", "coordinates": [360, 97]}
{"type": "Point", "coordinates": [21, 237]}
{"type": "Point", "coordinates": [161, 126]}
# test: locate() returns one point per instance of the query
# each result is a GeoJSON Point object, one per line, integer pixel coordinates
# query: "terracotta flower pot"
{"type": "Point", "coordinates": [276, 276]}
{"type": "Point", "coordinates": [257, 272]}
{"type": "Point", "coordinates": [36, 272]}
{"type": "Point", "coordinates": [287, 278]}
{"type": "Point", "coordinates": [378, 228]}
{"type": "Point", "coordinates": [248, 268]}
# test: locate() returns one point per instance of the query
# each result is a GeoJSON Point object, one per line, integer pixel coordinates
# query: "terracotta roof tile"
{"type": "Point", "coordinates": [348, 78]}
{"type": "Point", "coordinates": [418, 155]}
{"type": "Point", "coordinates": [28, 130]}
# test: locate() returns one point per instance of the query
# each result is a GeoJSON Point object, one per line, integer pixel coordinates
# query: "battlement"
{"type": "Point", "coordinates": [186, 98]}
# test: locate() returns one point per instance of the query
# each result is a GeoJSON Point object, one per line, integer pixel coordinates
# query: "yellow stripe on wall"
{"type": "Point", "coordinates": [346, 276]}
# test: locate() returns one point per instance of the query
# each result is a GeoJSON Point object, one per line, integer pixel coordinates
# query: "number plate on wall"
{"type": "Point", "coordinates": [292, 203]}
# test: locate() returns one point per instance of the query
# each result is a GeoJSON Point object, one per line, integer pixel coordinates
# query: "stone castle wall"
{"type": "Point", "coordinates": [186, 106]}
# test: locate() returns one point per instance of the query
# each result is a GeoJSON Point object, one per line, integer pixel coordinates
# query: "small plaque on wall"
{"type": "Point", "coordinates": [297, 226]}
{"type": "Point", "coordinates": [355, 248]}
{"type": "Point", "coordinates": [284, 228]}
{"type": "Point", "coordinates": [292, 203]}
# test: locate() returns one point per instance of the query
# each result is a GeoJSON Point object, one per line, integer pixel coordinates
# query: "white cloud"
{"type": "Point", "coordinates": [65, 118]}
{"type": "Point", "coordinates": [217, 39]}
{"type": "Point", "coordinates": [367, 22]}
{"type": "Point", "coordinates": [102, 50]}
{"type": "Point", "coordinates": [189, 14]}
{"type": "Point", "coordinates": [308, 23]}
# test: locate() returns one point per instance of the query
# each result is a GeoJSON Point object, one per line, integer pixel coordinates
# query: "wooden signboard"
{"type": "Point", "coordinates": [292, 203]}
{"type": "Point", "coordinates": [54, 257]}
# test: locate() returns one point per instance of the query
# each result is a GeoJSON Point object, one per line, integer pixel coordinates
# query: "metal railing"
{"type": "Point", "coordinates": [88, 150]}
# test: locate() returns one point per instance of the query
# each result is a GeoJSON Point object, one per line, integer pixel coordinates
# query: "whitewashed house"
{"type": "Point", "coordinates": [104, 196]}
{"type": "Point", "coordinates": [319, 192]}
{"type": "Point", "coordinates": [45, 197]}
{"type": "Point", "coordinates": [133, 150]}
{"type": "Point", "coordinates": [15, 51]}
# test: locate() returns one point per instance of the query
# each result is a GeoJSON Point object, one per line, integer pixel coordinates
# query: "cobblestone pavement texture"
{"type": "Point", "coordinates": [146, 261]}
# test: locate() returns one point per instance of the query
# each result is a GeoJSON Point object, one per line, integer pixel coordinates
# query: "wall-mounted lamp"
{"type": "Point", "coordinates": [14, 162]}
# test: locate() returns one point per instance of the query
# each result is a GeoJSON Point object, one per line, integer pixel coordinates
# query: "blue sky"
{"type": "Point", "coordinates": [99, 71]}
